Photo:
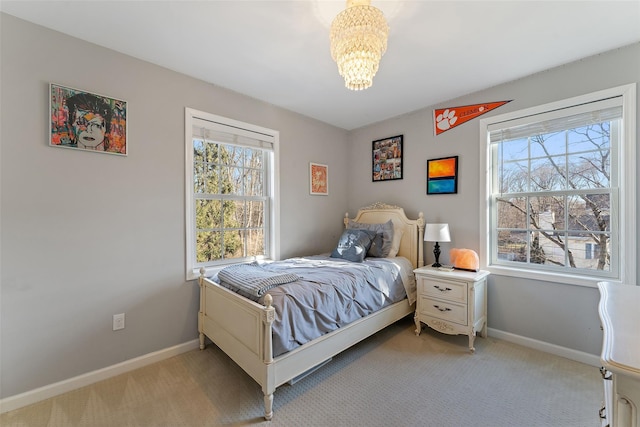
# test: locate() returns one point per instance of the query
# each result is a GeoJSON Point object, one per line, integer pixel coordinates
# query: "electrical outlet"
{"type": "Point", "coordinates": [118, 321]}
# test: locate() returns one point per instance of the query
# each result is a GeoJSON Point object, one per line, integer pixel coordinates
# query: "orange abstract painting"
{"type": "Point", "coordinates": [442, 175]}
{"type": "Point", "coordinates": [442, 168]}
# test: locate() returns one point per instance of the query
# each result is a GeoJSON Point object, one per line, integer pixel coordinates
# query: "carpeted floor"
{"type": "Point", "coordinates": [391, 379]}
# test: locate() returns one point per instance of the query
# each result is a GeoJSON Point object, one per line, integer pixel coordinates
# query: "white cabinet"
{"type": "Point", "coordinates": [619, 311]}
{"type": "Point", "coordinates": [452, 302]}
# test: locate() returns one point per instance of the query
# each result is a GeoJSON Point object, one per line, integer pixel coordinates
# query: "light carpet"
{"type": "Point", "coordinates": [393, 378]}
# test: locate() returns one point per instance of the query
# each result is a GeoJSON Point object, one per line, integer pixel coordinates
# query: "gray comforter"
{"type": "Point", "coordinates": [330, 294]}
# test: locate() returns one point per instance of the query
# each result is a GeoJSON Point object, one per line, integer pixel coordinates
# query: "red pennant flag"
{"type": "Point", "coordinates": [448, 118]}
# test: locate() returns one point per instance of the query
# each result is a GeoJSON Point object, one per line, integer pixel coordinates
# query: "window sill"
{"type": "Point", "coordinates": [211, 270]}
{"type": "Point", "coordinates": [563, 279]}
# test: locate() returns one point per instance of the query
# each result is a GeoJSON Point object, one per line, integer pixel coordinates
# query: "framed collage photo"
{"type": "Point", "coordinates": [87, 121]}
{"type": "Point", "coordinates": [442, 175]}
{"type": "Point", "coordinates": [318, 179]}
{"type": "Point", "coordinates": [387, 159]}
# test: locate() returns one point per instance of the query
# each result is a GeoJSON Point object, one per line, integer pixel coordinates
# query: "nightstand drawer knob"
{"type": "Point", "coordinates": [442, 309]}
{"type": "Point", "coordinates": [441, 289]}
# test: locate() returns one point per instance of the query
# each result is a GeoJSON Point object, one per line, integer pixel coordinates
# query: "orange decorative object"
{"type": "Point", "coordinates": [448, 118]}
{"type": "Point", "coordinates": [464, 259]}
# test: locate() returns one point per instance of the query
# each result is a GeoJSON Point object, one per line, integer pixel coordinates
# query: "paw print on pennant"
{"type": "Point", "coordinates": [446, 119]}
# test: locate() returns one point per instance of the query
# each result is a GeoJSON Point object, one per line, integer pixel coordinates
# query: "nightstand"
{"type": "Point", "coordinates": [452, 302]}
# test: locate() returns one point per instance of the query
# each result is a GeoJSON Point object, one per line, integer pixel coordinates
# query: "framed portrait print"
{"type": "Point", "coordinates": [387, 159]}
{"type": "Point", "coordinates": [442, 175]}
{"type": "Point", "coordinates": [87, 121]}
{"type": "Point", "coordinates": [318, 179]}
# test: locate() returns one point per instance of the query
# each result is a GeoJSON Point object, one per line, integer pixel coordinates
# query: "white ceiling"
{"type": "Point", "coordinates": [278, 51]}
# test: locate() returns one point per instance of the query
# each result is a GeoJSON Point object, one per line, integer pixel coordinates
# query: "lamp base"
{"type": "Point", "coordinates": [436, 253]}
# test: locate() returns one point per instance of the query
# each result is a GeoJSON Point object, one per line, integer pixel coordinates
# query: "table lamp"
{"type": "Point", "coordinates": [437, 233]}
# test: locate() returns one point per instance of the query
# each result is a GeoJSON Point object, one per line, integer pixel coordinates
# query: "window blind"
{"type": "Point", "coordinates": [212, 131]}
{"type": "Point", "coordinates": [558, 120]}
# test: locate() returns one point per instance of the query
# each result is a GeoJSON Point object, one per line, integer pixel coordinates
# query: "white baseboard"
{"type": "Point", "coordinates": [33, 396]}
{"type": "Point", "coordinates": [568, 353]}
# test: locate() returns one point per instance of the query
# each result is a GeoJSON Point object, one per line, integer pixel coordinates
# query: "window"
{"type": "Point", "coordinates": [560, 189]}
{"type": "Point", "coordinates": [591, 251]}
{"type": "Point", "coordinates": [231, 197]}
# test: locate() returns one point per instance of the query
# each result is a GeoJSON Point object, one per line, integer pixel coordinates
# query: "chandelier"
{"type": "Point", "coordinates": [358, 41]}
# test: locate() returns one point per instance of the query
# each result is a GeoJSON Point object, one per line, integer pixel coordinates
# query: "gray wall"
{"type": "Point", "coordinates": [563, 315]}
{"type": "Point", "coordinates": [87, 235]}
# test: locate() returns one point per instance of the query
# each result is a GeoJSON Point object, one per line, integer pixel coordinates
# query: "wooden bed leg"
{"type": "Point", "coordinates": [268, 387]}
{"type": "Point", "coordinates": [201, 312]}
{"type": "Point", "coordinates": [268, 406]}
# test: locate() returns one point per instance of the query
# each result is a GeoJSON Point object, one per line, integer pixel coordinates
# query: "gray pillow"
{"type": "Point", "coordinates": [375, 250]}
{"type": "Point", "coordinates": [353, 245]}
{"type": "Point", "coordinates": [381, 246]}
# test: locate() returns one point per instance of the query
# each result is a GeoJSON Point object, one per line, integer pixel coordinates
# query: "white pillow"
{"type": "Point", "coordinates": [395, 245]}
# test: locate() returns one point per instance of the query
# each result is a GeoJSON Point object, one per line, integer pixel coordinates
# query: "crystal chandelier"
{"type": "Point", "coordinates": [358, 41]}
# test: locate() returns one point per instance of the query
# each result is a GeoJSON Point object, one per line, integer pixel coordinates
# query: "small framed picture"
{"type": "Point", "coordinates": [387, 159]}
{"type": "Point", "coordinates": [442, 175]}
{"type": "Point", "coordinates": [87, 121]}
{"type": "Point", "coordinates": [318, 179]}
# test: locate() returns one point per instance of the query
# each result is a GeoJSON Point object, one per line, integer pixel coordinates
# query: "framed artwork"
{"type": "Point", "coordinates": [387, 159]}
{"type": "Point", "coordinates": [87, 121]}
{"type": "Point", "coordinates": [442, 175]}
{"type": "Point", "coordinates": [318, 179]}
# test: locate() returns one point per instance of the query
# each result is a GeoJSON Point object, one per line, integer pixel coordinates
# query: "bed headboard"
{"type": "Point", "coordinates": [411, 245]}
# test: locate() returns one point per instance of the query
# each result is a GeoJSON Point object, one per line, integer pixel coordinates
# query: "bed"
{"type": "Point", "coordinates": [244, 328]}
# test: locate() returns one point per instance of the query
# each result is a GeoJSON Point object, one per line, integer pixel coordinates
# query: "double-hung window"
{"type": "Point", "coordinates": [231, 191]}
{"type": "Point", "coordinates": [560, 190]}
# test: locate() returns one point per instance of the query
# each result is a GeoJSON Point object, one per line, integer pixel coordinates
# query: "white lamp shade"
{"type": "Point", "coordinates": [437, 233]}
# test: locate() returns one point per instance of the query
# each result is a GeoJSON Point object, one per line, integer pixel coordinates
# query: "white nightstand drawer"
{"type": "Point", "coordinates": [444, 310]}
{"type": "Point", "coordinates": [444, 289]}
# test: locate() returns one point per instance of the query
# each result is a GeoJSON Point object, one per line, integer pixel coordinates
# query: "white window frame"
{"type": "Point", "coordinates": [626, 219]}
{"type": "Point", "coordinates": [272, 222]}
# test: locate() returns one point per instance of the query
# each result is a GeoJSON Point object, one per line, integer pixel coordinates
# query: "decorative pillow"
{"type": "Point", "coordinates": [353, 245]}
{"type": "Point", "coordinates": [375, 250]}
{"type": "Point", "coordinates": [382, 242]}
{"type": "Point", "coordinates": [395, 245]}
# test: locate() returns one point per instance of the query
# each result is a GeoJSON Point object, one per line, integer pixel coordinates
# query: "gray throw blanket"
{"type": "Point", "coordinates": [253, 279]}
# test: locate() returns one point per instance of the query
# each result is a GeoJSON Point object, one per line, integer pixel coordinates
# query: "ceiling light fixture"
{"type": "Point", "coordinates": [358, 41]}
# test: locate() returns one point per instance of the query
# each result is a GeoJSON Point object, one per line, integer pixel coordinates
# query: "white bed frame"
{"type": "Point", "coordinates": [242, 328]}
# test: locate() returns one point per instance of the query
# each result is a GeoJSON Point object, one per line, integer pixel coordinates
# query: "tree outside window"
{"type": "Point", "coordinates": [555, 197]}
{"type": "Point", "coordinates": [230, 204]}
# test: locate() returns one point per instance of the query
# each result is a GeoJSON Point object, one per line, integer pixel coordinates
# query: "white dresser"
{"type": "Point", "coordinates": [452, 302]}
{"type": "Point", "coordinates": [619, 311]}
